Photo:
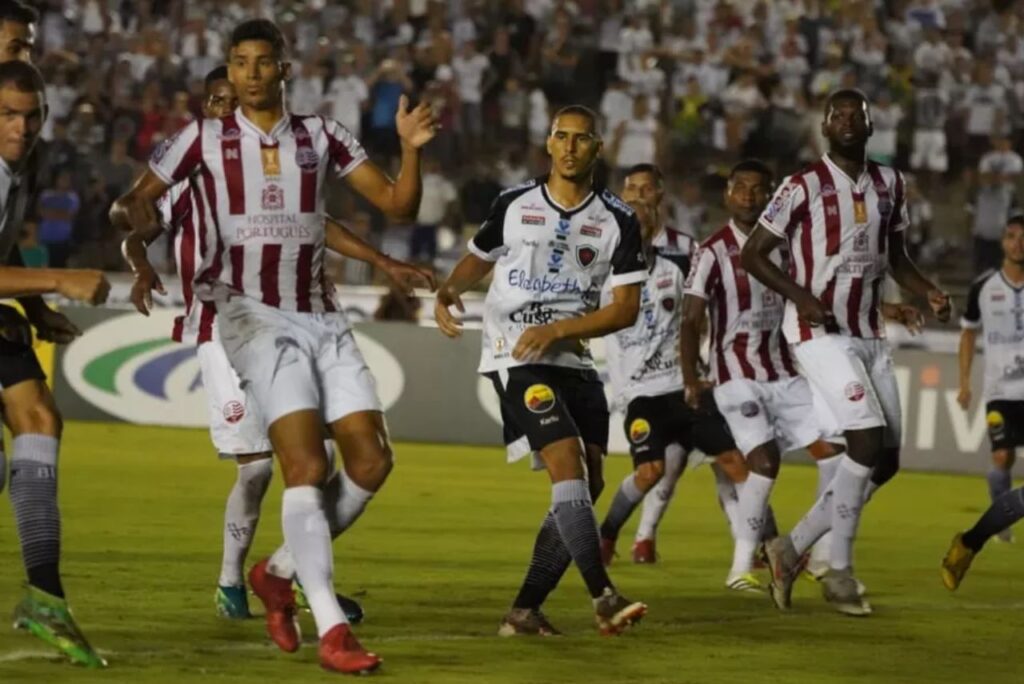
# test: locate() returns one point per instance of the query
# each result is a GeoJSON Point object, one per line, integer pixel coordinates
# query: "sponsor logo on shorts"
{"type": "Point", "coordinates": [854, 391]}
{"type": "Point", "coordinates": [530, 220]}
{"type": "Point", "coordinates": [549, 420]}
{"type": "Point", "coordinates": [539, 398]}
{"type": "Point", "coordinates": [234, 411]}
{"type": "Point", "coordinates": [585, 254]}
{"type": "Point", "coordinates": [994, 419]}
{"type": "Point", "coordinates": [639, 431]}
{"type": "Point", "coordinates": [749, 409]}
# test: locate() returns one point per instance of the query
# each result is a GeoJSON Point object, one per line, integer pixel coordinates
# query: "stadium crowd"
{"type": "Point", "coordinates": [689, 84]}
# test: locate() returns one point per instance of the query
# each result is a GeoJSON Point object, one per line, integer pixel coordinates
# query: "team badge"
{"type": "Point", "coordinates": [639, 431]}
{"type": "Point", "coordinates": [271, 161]}
{"type": "Point", "coordinates": [994, 419]}
{"type": "Point", "coordinates": [539, 398]}
{"type": "Point", "coordinates": [585, 254]}
{"type": "Point", "coordinates": [860, 241]}
{"type": "Point", "coordinates": [231, 134]}
{"type": "Point", "coordinates": [307, 159]}
{"type": "Point", "coordinates": [749, 409]}
{"type": "Point", "coordinates": [668, 304]}
{"type": "Point", "coordinates": [854, 391]}
{"type": "Point", "coordinates": [273, 198]}
{"type": "Point", "coordinates": [234, 411]}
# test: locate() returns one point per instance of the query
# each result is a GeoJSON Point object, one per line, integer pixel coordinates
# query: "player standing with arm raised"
{"type": "Point", "coordinates": [262, 171]}
{"type": "Point", "coordinates": [552, 243]}
{"type": "Point", "coordinates": [844, 220]}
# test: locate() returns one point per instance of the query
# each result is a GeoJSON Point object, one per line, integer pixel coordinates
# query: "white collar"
{"type": "Point", "coordinates": [280, 127]}
{"type": "Point", "coordinates": [835, 169]}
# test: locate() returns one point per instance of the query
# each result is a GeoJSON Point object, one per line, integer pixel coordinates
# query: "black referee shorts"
{"type": "Point", "coordinates": [1005, 420]}
{"type": "Point", "coordinates": [652, 423]}
{"type": "Point", "coordinates": [550, 403]}
{"type": "Point", "coordinates": [18, 363]}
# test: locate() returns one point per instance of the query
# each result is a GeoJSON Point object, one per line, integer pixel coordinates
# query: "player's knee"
{"type": "Point", "coordinates": [648, 474]}
{"type": "Point", "coordinates": [306, 469]}
{"type": "Point", "coordinates": [372, 466]}
{"type": "Point", "coordinates": [887, 467]}
{"type": "Point", "coordinates": [1003, 458]}
{"type": "Point", "coordinates": [732, 464]}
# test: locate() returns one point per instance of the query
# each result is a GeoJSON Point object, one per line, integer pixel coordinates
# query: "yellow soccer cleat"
{"type": "Point", "coordinates": [956, 563]}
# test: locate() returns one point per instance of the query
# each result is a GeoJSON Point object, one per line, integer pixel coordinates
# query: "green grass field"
{"type": "Point", "coordinates": [440, 553]}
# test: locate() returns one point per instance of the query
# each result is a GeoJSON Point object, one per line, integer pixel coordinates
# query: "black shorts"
{"type": "Point", "coordinates": [18, 363]}
{"type": "Point", "coordinates": [1005, 423]}
{"type": "Point", "coordinates": [652, 423]}
{"type": "Point", "coordinates": [549, 403]}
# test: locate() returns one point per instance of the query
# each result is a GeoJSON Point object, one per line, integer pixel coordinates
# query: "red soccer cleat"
{"type": "Point", "coordinates": [279, 601]}
{"type": "Point", "coordinates": [643, 551]}
{"type": "Point", "coordinates": [340, 651]}
{"type": "Point", "coordinates": [607, 551]}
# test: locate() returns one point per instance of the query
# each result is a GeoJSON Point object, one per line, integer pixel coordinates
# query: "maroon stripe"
{"type": "Point", "coordinates": [873, 313]}
{"type": "Point", "coordinates": [830, 205]}
{"type": "Point", "coordinates": [856, 291]}
{"type": "Point", "coordinates": [787, 359]}
{"type": "Point", "coordinates": [308, 178]}
{"type": "Point", "coordinates": [339, 154]}
{"type": "Point", "coordinates": [186, 253]}
{"type": "Point", "coordinates": [236, 253]}
{"type": "Point", "coordinates": [193, 156]}
{"type": "Point", "coordinates": [212, 272]}
{"type": "Point", "coordinates": [807, 256]}
{"type": "Point", "coordinates": [764, 353]}
{"type": "Point", "coordinates": [828, 299]}
{"type": "Point", "coordinates": [739, 349]}
{"type": "Point", "coordinates": [178, 329]}
{"type": "Point", "coordinates": [270, 262]}
{"type": "Point", "coordinates": [718, 324]}
{"type": "Point", "coordinates": [209, 311]}
{"type": "Point", "coordinates": [732, 249]}
{"type": "Point", "coordinates": [304, 280]}
{"type": "Point", "coordinates": [231, 156]}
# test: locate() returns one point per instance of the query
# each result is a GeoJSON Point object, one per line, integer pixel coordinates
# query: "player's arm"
{"type": "Point", "coordinates": [909, 277]}
{"type": "Point", "coordinates": [135, 212]}
{"type": "Point", "coordinates": [79, 284]}
{"type": "Point", "coordinates": [970, 323]}
{"type": "Point", "coordinates": [340, 239]}
{"type": "Point", "coordinates": [756, 260]}
{"type": "Point", "coordinates": [399, 199]}
{"type": "Point", "coordinates": [470, 270]}
{"type": "Point", "coordinates": [695, 310]}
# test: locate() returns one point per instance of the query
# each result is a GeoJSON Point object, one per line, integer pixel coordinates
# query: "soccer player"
{"type": "Point", "coordinates": [29, 408]}
{"type": "Point", "coordinates": [844, 220]}
{"type": "Point", "coordinates": [644, 367]}
{"type": "Point", "coordinates": [553, 243]}
{"type": "Point", "coordinates": [995, 304]}
{"type": "Point", "coordinates": [262, 170]}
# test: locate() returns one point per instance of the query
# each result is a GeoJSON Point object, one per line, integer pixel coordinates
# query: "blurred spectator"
{"type": "Point", "coordinates": [986, 108]}
{"type": "Point", "coordinates": [307, 90]}
{"type": "Point", "coordinates": [999, 173]}
{"type": "Point", "coordinates": [512, 169]}
{"type": "Point", "coordinates": [33, 254]}
{"type": "Point", "coordinates": [471, 69]}
{"type": "Point", "coordinates": [559, 58]}
{"type": "Point", "coordinates": [386, 85]}
{"type": "Point", "coordinates": [347, 96]}
{"type": "Point", "coordinates": [514, 108]}
{"type": "Point", "coordinates": [885, 117]}
{"type": "Point", "coordinates": [436, 208]}
{"type": "Point", "coordinates": [60, 96]}
{"type": "Point", "coordinates": [637, 139]}
{"type": "Point", "coordinates": [118, 170]}
{"type": "Point", "coordinates": [928, 156]}
{"type": "Point", "coordinates": [688, 212]}
{"type": "Point", "coordinates": [58, 207]}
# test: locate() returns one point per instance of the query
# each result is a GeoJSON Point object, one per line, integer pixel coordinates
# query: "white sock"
{"type": "Point", "coordinates": [241, 515]}
{"type": "Point", "coordinates": [869, 490]}
{"type": "Point", "coordinates": [753, 501]}
{"type": "Point", "coordinates": [728, 497]}
{"type": "Point", "coordinates": [344, 502]}
{"type": "Point", "coordinates": [282, 563]}
{"type": "Point", "coordinates": [309, 538]}
{"type": "Point", "coordinates": [847, 501]}
{"type": "Point", "coordinates": [656, 502]}
{"type": "Point", "coordinates": [826, 471]}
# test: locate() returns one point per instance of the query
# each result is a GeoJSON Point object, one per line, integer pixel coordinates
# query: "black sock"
{"type": "Point", "coordinates": [549, 562]}
{"type": "Point", "coordinates": [34, 500]}
{"type": "Point", "coordinates": [577, 526]}
{"type": "Point", "coordinates": [1006, 510]}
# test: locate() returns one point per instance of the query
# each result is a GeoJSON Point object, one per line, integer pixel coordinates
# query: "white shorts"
{"type": "Point", "coordinates": [235, 424]}
{"type": "Point", "coordinates": [290, 361]}
{"type": "Point", "coordinates": [929, 151]}
{"type": "Point", "coordinates": [759, 412]}
{"type": "Point", "coordinates": [854, 378]}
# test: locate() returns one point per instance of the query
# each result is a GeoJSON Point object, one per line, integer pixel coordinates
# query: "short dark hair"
{"type": "Point", "coordinates": [218, 74]}
{"type": "Point", "coordinates": [578, 110]}
{"type": "Point", "coordinates": [753, 166]}
{"type": "Point", "coordinates": [259, 29]}
{"type": "Point", "coordinates": [1015, 220]}
{"type": "Point", "coordinates": [845, 94]}
{"type": "Point", "coordinates": [646, 168]}
{"type": "Point", "coordinates": [22, 76]}
{"type": "Point", "coordinates": [17, 11]}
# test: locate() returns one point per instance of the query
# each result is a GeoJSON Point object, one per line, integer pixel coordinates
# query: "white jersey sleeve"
{"type": "Point", "coordinates": [704, 275]}
{"type": "Point", "coordinates": [346, 153]}
{"type": "Point", "coordinates": [176, 158]}
{"type": "Point", "coordinates": [786, 209]}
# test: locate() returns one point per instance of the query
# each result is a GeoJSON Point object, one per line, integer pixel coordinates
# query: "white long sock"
{"type": "Point", "coordinates": [656, 502]}
{"type": "Point", "coordinates": [847, 501]}
{"type": "Point", "coordinates": [728, 497]}
{"type": "Point", "coordinates": [753, 501]}
{"type": "Point", "coordinates": [344, 502]}
{"type": "Point", "coordinates": [820, 553]}
{"type": "Point", "coordinates": [869, 490]}
{"type": "Point", "coordinates": [241, 516]}
{"type": "Point", "coordinates": [309, 538]}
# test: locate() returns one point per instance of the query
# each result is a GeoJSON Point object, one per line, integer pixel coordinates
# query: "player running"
{"type": "Point", "coordinates": [553, 243]}
{"type": "Point", "coordinates": [995, 304]}
{"type": "Point", "coordinates": [644, 367]}
{"type": "Point", "coordinates": [844, 220]}
{"type": "Point", "coordinates": [262, 171]}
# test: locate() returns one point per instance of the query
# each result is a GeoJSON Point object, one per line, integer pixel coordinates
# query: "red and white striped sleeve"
{"type": "Point", "coordinates": [344, 151]}
{"type": "Point", "coordinates": [900, 215]}
{"type": "Point", "coordinates": [176, 158]}
{"type": "Point", "coordinates": [704, 276]}
{"type": "Point", "coordinates": [786, 209]}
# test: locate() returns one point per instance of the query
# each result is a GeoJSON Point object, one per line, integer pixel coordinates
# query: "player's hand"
{"type": "Point", "coordinates": [909, 316]}
{"type": "Point", "coordinates": [416, 127]}
{"type": "Point", "coordinates": [963, 397]}
{"type": "Point", "coordinates": [53, 326]}
{"type": "Point", "coordinates": [941, 305]}
{"type": "Point", "coordinates": [405, 276]}
{"type": "Point", "coordinates": [535, 342]}
{"type": "Point", "coordinates": [83, 285]}
{"type": "Point", "coordinates": [812, 312]}
{"type": "Point", "coordinates": [449, 324]}
{"type": "Point", "coordinates": [146, 280]}
{"type": "Point", "coordinates": [14, 327]}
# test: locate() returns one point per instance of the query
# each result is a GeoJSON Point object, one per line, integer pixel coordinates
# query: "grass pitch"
{"type": "Point", "coordinates": [440, 553]}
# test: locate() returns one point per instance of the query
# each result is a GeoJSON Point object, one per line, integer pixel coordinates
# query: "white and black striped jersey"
{"type": "Point", "coordinates": [551, 263]}
{"type": "Point", "coordinates": [996, 305]}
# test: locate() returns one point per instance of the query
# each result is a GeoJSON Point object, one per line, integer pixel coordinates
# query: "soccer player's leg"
{"type": "Point", "coordinates": [656, 502]}
{"type": "Point", "coordinates": [826, 457]}
{"type": "Point", "coordinates": [35, 423]}
{"type": "Point", "coordinates": [1000, 478]}
{"type": "Point", "coordinates": [237, 433]}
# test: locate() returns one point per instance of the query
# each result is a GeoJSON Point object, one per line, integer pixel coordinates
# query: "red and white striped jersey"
{"type": "Point", "coordinates": [838, 231]}
{"type": "Point", "coordinates": [672, 241]}
{"type": "Point", "coordinates": [185, 217]}
{"type": "Point", "coordinates": [265, 193]}
{"type": "Point", "coordinates": [746, 316]}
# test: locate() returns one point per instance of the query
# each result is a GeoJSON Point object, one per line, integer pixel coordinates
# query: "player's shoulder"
{"type": "Point", "coordinates": [512, 192]}
{"type": "Point", "coordinates": [671, 260]}
{"type": "Point", "coordinates": [889, 174]}
{"type": "Point", "coordinates": [716, 238]}
{"type": "Point", "coordinates": [983, 279]}
{"type": "Point", "coordinates": [615, 205]}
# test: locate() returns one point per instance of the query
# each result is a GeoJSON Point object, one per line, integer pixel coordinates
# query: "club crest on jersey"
{"type": "Point", "coordinates": [234, 411]}
{"type": "Point", "coordinates": [231, 134]}
{"type": "Point", "coordinates": [827, 190]}
{"type": "Point", "coordinates": [585, 254]}
{"type": "Point", "coordinates": [307, 159]}
{"type": "Point", "coordinates": [769, 298]}
{"type": "Point", "coordinates": [639, 431]}
{"type": "Point", "coordinates": [854, 391]}
{"type": "Point", "coordinates": [860, 241]}
{"type": "Point", "coordinates": [749, 409]}
{"type": "Point", "coordinates": [591, 231]}
{"type": "Point", "coordinates": [539, 398]}
{"type": "Point", "coordinates": [668, 304]}
{"type": "Point", "coordinates": [884, 205]}
{"type": "Point", "coordinates": [273, 198]}
{"type": "Point", "coordinates": [530, 220]}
